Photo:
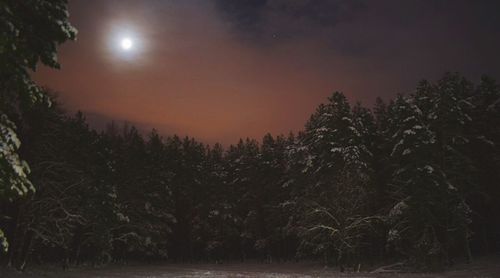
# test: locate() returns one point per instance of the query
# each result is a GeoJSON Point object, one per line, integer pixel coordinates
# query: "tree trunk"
{"type": "Point", "coordinates": [468, 254]}
{"type": "Point", "coordinates": [13, 236]}
{"type": "Point", "coordinates": [25, 250]}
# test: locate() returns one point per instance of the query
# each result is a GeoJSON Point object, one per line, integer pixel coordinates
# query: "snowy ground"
{"type": "Point", "coordinates": [482, 268]}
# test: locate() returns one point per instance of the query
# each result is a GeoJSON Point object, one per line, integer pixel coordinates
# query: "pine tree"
{"type": "Point", "coordinates": [433, 171]}
{"type": "Point", "coordinates": [484, 150]}
{"type": "Point", "coordinates": [30, 34]}
{"type": "Point", "coordinates": [334, 219]}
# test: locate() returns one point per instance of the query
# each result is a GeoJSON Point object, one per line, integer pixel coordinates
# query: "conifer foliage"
{"type": "Point", "coordinates": [29, 34]}
{"type": "Point", "coordinates": [416, 179]}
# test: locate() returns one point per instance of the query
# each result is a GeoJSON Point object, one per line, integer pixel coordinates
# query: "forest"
{"type": "Point", "coordinates": [412, 179]}
{"type": "Point", "coordinates": [415, 178]}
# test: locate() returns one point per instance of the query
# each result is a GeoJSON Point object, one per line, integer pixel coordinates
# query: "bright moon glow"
{"type": "Point", "coordinates": [126, 43]}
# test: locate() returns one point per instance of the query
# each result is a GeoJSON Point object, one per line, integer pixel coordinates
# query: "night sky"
{"type": "Point", "coordinates": [219, 70]}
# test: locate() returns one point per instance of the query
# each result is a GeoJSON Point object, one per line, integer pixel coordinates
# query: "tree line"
{"type": "Point", "coordinates": [414, 179]}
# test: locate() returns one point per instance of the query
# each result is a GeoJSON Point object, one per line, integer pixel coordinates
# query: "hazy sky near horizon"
{"type": "Point", "coordinates": [219, 70]}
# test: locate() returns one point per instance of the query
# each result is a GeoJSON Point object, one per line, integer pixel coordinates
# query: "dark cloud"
{"type": "Point", "coordinates": [323, 13]}
{"type": "Point", "coordinates": [357, 25]}
{"type": "Point", "coordinates": [263, 20]}
{"type": "Point", "coordinates": [246, 15]}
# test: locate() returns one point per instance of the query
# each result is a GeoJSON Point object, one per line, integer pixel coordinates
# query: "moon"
{"type": "Point", "coordinates": [126, 44]}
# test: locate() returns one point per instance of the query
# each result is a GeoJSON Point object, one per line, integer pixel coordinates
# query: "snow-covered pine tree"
{"type": "Point", "coordinates": [431, 212]}
{"type": "Point", "coordinates": [484, 150]}
{"type": "Point", "coordinates": [30, 34]}
{"type": "Point", "coordinates": [333, 204]}
{"type": "Point", "coordinates": [158, 204]}
{"type": "Point", "coordinates": [272, 235]}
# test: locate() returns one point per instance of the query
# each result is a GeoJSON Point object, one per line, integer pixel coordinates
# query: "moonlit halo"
{"type": "Point", "coordinates": [126, 43]}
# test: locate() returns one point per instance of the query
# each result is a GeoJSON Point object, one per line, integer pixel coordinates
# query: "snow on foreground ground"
{"type": "Point", "coordinates": [482, 268]}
